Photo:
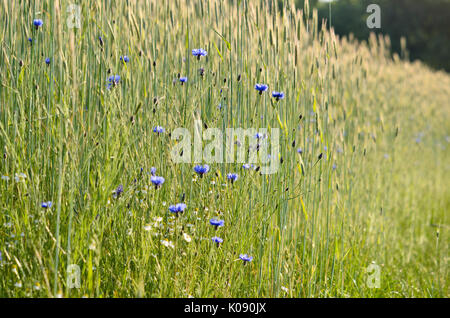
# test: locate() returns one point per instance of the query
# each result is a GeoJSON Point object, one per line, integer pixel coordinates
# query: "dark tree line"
{"type": "Point", "coordinates": [424, 23]}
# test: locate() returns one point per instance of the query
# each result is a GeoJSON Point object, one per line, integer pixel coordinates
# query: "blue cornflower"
{"type": "Point", "coordinates": [157, 181]}
{"type": "Point", "coordinates": [125, 59]}
{"type": "Point", "coordinates": [334, 166]}
{"type": "Point", "coordinates": [158, 130]}
{"type": "Point", "coordinates": [47, 61]}
{"type": "Point", "coordinates": [217, 240]}
{"type": "Point", "coordinates": [277, 95]}
{"type": "Point", "coordinates": [37, 23]}
{"type": "Point", "coordinates": [246, 258]}
{"type": "Point", "coordinates": [30, 40]}
{"type": "Point", "coordinates": [259, 136]}
{"type": "Point", "coordinates": [300, 150]}
{"type": "Point", "coordinates": [183, 80]}
{"type": "Point", "coordinates": [113, 80]}
{"type": "Point", "coordinates": [232, 177]}
{"type": "Point", "coordinates": [177, 208]}
{"type": "Point", "coordinates": [46, 205]}
{"type": "Point", "coordinates": [261, 88]}
{"type": "Point", "coordinates": [199, 53]}
{"type": "Point", "coordinates": [118, 191]}
{"type": "Point", "coordinates": [216, 223]}
{"type": "Point", "coordinates": [201, 170]}
{"type": "Point", "coordinates": [246, 166]}
{"type": "Point", "coordinates": [153, 171]}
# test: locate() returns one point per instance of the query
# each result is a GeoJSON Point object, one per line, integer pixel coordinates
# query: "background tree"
{"type": "Point", "coordinates": [424, 23]}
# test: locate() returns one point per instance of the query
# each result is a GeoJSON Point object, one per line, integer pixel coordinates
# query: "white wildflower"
{"type": "Point", "coordinates": [92, 246]}
{"type": "Point", "coordinates": [20, 177]}
{"type": "Point", "coordinates": [167, 243]}
{"type": "Point", "coordinates": [186, 237]}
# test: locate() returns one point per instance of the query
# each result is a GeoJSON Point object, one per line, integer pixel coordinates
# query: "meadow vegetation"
{"type": "Point", "coordinates": [364, 155]}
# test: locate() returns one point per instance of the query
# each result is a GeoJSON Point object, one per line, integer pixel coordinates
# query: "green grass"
{"type": "Point", "coordinates": [312, 230]}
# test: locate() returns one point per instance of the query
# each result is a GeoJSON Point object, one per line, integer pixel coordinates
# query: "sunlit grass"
{"type": "Point", "coordinates": [379, 194]}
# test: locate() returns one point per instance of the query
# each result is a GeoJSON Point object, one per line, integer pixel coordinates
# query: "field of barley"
{"type": "Point", "coordinates": [94, 204]}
